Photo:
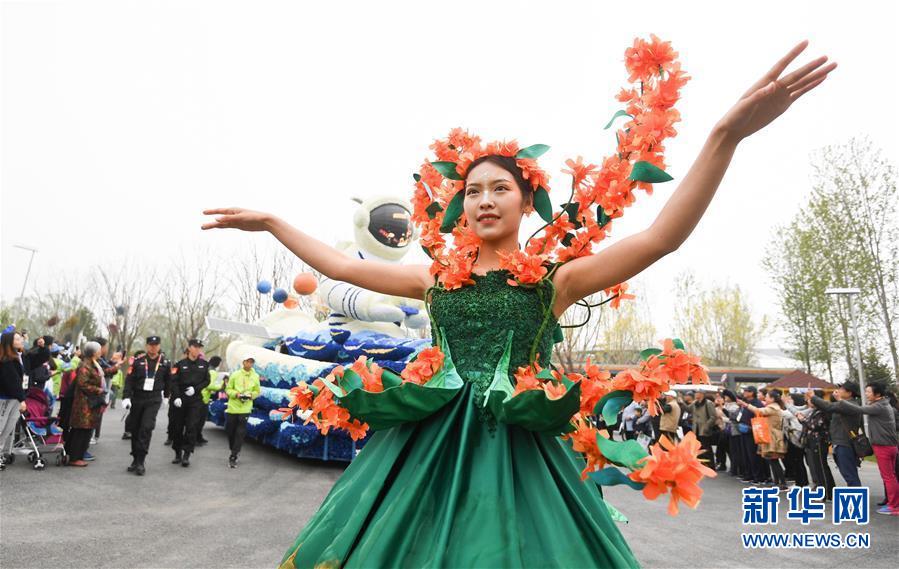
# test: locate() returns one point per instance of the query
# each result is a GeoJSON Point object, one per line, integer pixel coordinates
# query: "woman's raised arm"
{"type": "Point", "coordinates": [763, 102]}
{"type": "Point", "coordinates": [410, 281]}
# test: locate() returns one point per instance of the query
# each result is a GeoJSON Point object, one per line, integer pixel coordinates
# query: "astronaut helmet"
{"type": "Point", "coordinates": [383, 227]}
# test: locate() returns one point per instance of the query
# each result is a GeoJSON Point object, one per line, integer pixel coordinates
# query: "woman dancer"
{"type": "Point", "coordinates": [461, 488]}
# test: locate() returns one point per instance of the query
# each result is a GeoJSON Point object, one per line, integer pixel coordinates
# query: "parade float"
{"type": "Point", "coordinates": [291, 347]}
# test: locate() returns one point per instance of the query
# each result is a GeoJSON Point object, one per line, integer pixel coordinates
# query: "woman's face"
{"type": "Point", "coordinates": [18, 342]}
{"type": "Point", "coordinates": [493, 202]}
{"type": "Point", "coordinates": [769, 399]}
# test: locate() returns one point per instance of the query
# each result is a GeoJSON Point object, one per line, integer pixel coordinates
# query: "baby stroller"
{"type": "Point", "coordinates": [38, 433]}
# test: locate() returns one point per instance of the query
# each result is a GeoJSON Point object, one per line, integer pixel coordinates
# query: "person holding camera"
{"type": "Point", "coordinates": [243, 387]}
{"type": "Point", "coordinates": [88, 400]}
{"type": "Point", "coordinates": [189, 377]}
{"type": "Point", "coordinates": [148, 377]}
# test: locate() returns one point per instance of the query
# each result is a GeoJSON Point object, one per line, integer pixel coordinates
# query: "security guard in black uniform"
{"type": "Point", "coordinates": [144, 384]}
{"type": "Point", "coordinates": [189, 377]}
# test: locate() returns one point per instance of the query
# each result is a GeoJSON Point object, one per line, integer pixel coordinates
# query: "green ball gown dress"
{"type": "Point", "coordinates": [459, 488]}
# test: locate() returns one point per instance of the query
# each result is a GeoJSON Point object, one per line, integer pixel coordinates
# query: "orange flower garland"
{"type": "Point", "coordinates": [424, 367]}
{"type": "Point", "coordinates": [327, 412]}
{"type": "Point", "coordinates": [674, 468]}
{"type": "Point", "coordinates": [656, 79]}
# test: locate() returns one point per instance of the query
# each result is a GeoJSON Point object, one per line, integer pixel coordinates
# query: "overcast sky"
{"type": "Point", "coordinates": [121, 120]}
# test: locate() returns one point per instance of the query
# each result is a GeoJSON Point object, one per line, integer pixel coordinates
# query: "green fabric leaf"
{"type": "Point", "coordinates": [647, 172]}
{"type": "Point", "coordinates": [567, 239]}
{"type": "Point", "coordinates": [543, 205]}
{"type": "Point", "coordinates": [534, 411]}
{"type": "Point", "coordinates": [533, 151]}
{"type": "Point", "coordinates": [350, 380]}
{"type": "Point", "coordinates": [622, 453]}
{"type": "Point", "coordinates": [314, 389]}
{"type": "Point", "coordinates": [611, 476]}
{"type": "Point", "coordinates": [679, 344]}
{"type": "Point", "coordinates": [390, 379]}
{"type": "Point", "coordinates": [335, 389]}
{"type": "Point", "coordinates": [648, 352]}
{"type": "Point", "coordinates": [416, 177]}
{"type": "Point", "coordinates": [621, 113]}
{"type": "Point", "coordinates": [406, 403]}
{"type": "Point", "coordinates": [427, 251]}
{"type": "Point", "coordinates": [616, 515]}
{"type": "Point", "coordinates": [611, 403]}
{"type": "Point", "coordinates": [446, 376]}
{"type": "Point", "coordinates": [433, 209]}
{"type": "Point", "coordinates": [558, 334]}
{"type": "Point", "coordinates": [501, 388]}
{"type": "Point", "coordinates": [546, 374]}
{"type": "Point", "coordinates": [453, 211]}
{"type": "Point", "coordinates": [447, 170]}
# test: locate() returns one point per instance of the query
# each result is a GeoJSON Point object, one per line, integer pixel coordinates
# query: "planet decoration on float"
{"type": "Point", "coordinates": [305, 283]}
{"type": "Point", "coordinates": [279, 295]}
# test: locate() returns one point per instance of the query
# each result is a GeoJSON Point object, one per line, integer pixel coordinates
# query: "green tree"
{"type": "Point", "coordinates": [716, 323]}
{"type": "Point", "coordinates": [855, 207]}
{"type": "Point", "coordinates": [876, 370]}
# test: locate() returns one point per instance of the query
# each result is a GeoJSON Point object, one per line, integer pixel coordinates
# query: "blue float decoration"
{"type": "Point", "coordinates": [264, 287]}
{"type": "Point", "coordinates": [280, 295]}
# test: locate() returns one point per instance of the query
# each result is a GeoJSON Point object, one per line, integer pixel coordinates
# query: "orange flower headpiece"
{"type": "Point", "coordinates": [572, 230]}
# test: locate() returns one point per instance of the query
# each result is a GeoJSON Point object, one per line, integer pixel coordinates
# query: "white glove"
{"type": "Point", "coordinates": [416, 321]}
{"type": "Point", "coordinates": [177, 402]}
{"type": "Point", "coordinates": [189, 391]}
{"type": "Point", "coordinates": [383, 312]}
{"type": "Point", "coordinates": [126, 404]}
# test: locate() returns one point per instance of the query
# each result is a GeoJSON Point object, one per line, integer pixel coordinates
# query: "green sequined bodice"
{"type": "Point", "coordinates": [476, 320]}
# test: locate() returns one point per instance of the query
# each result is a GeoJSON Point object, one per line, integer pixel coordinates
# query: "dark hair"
{"type": "Point", "coordinates": [508, 164]}
{"type": "Point", "coordinates": [100, 340]}
{"type": "Point", "coordinates": [7, 351]}
{"type": "Point", "coordinates": [798, 399]}
{"type": "Point", "coordinates": [851, 387]}
{"type": "Point", "coordinates": [777, 396]}
{"type": "Point", "coordinates": [878, 388]}
{"type": "Point", "coordinates": [215, 361]}
{"type": "Point", "coordinates": [818, 393]}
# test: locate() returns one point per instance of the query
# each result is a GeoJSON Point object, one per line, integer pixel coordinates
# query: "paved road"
{"type": "Point", "coordinates": [211, 516]}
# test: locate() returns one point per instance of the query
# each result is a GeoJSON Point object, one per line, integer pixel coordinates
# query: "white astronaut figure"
{"type": "Point", "coordinates": [383, 231]}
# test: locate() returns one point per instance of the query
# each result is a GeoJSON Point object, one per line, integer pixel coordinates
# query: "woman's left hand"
{"type": "Point", "coordinates": [771, 95]}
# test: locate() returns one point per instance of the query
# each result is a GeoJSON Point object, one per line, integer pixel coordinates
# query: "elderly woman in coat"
{"type": "Point", "coordinates": [88, 399]}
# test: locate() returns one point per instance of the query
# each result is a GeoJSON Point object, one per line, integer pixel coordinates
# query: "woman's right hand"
{"type": "Point", "coordinates": [22, 407]}
{"type": "Point", "coordinates": [237, 218]}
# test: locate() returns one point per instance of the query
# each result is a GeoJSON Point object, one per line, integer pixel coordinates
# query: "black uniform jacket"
{"type": "Point", "coordinates": [144, 367]}
{"type": "Point", "coordinates": [190, 373]}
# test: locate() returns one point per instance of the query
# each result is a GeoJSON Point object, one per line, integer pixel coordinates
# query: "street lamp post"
{"type": "Point", "coordinates": [27, 272]}
{"type": "Point", "coordinates": [849, 293]}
